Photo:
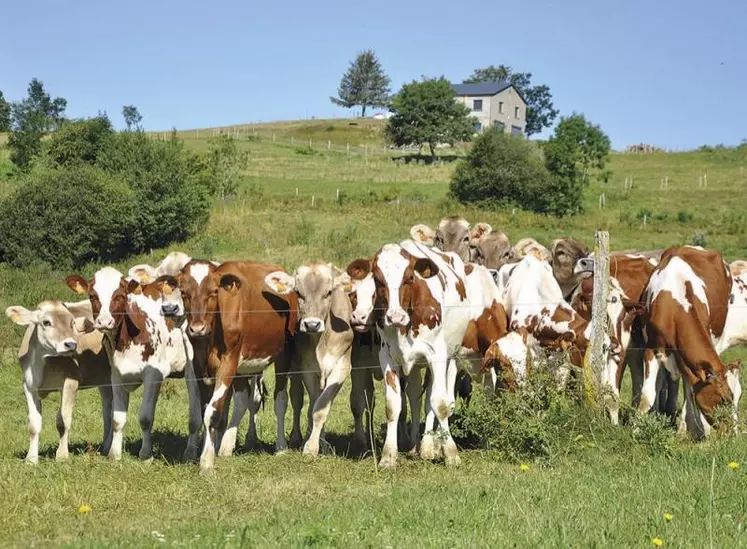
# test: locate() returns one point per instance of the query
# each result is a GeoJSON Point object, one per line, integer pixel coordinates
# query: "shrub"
{"type": "Point", "coordinates": [79, 141]}
{"type": "Point", "coordinates": [305, 150]}
{"type": "Point", "coordinates": [225, 161]}
{"type": "Point", "coordinates": [501, 169]}
{"type": "Point", "coordinates": [66, 217]}
{"type": "Point", "coordinates": [172, 199]}
{"type": "Point", "coordinates": [699, 238]}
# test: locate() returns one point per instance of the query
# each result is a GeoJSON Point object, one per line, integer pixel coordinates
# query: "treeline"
{"type": "Point", "coordinates": [85, 192]}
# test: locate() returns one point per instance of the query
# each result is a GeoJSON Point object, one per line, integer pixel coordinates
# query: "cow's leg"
{"type": "Point", "coordinates": [256, 396]}
{"type": "Point", "coordinates": [634, 361]}
{"type": "Point", "coordinates": [281, 407]}
{"type": "Point", "coordinates": [240, 406]}
{"type": "Point", "coordinates": [311, 380]}
{"type": "Point", "coordinates": [648, 389]}
{"type": "Point", "coordinates": [35, 423]}
{"type": "Point", "coordinates": [440, 402]}
{"type": "Point", "coordinates": [120, 404]}
{"type": "Point", "coordinates": [429, 448]}
{"type": "Point", "coordinates": [393, 409]}
{"type": "Point", "coordinates": [195, 401]}
{"type": "Point", "coordinates": [692, 420]}
{"type": "Point", "coordinates": [413, 389]}
{"type": "Point", "coordinates": [221, 423]}
{"type": "Point", "coordinates": [672, 380]}
{"type": "Point", "coordinates": [152, 380]}
{"type": "Point", "coordinates": [452, 369]}
{"type": "Point", "coordinates": [65, 416]}
{"type": "Point", "coordinates": [358, 381]}
{"type": "Point", "coordinates": [403, 433]}
{"type": "Point", "coordinates": [337, 376]}
{"type": "Point", "coordinates": [216, 408]}
{"type": "Point", "coordinates": [296, 397]}
{"type": "Point", "coordinates": [106, 411]}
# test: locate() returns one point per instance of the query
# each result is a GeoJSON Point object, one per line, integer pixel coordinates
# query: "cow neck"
{"type": "Point", "coordinates": [132, 327]}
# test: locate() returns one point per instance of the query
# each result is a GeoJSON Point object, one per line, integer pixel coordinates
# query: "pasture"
{"type": "Point", "coordinates": [606, 489]}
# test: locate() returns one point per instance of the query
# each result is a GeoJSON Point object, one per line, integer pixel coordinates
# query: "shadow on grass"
{"type": "Point", "coordinates": [425, 158]}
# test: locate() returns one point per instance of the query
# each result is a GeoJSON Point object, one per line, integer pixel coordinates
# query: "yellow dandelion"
{"type": "Point", "coordinates": [734, 465]}
{"type": "Point", "coordinates": [524, 467]}
{"type": "Point", "coordinates": [657, 542]}
{"type": "Point", "coordinates": [84, 509]}
{"type": "Point", "coordinates": [668, 516]}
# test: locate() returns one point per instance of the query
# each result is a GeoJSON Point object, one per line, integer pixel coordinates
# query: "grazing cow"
{"type": "Point", "coordinates": [422, 316]}
{"type": "Point", "coordinates": [56, 356]}
{"type": "Point", "coordinates": [542, 318]}
{"type": "Point", "coordinates": [324, 339]}
{"type": "Point", "coordinates": [245, 328]}
{"type": "Point", "coordinates": [147, 346]}
{"type": "Point", "coordinates": [692, 317]}
{"type": "Point", "coordinates": [565, 253]}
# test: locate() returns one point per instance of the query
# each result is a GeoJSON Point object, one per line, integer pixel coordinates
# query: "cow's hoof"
{"type": "Point", "coordinates": [388, 462]}
{"type": "Point", "coordinates": [32, 460]}
{"type": "Point", "coordinates": [451, 454]}
{"type": "Point", "coordinates": [428, 448]}
{"type": "Point", "coordinates": [61, 455]}
{"type": "Point", "coordinates": [311, 450]}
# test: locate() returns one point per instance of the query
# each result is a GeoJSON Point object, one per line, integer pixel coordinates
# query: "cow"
{"type": "Point", "coordinates": [695, 311]}
{"type": "Point", "coordinates": [324, 339]}
{"type": "Point", "coordinates": [454, 234]}
{"type": "Point", "coordinates": [147, 346]}
{"type": "Point", "coordinates": [57, 356]}
{"type": "Point", "coordinates": [493, 250]}
{"type": "Point", "coordinates": [525, 246]}
{"type": "Point", "coordinates": [565, 253]}
{"type": "Point", "coordinates": [244, 327]}
{"type": "Point", "coordinates": [170, 265]}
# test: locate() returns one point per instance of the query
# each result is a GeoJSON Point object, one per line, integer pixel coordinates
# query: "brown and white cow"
{"type": "Point", "coordinates": [565, 253]}
{"type": "Point", "coordinates": [170, 265]}
{"type": "Point", "coordinates": [147, 345]}
{"type": "Point", "coordinates": [57, 356]}
{"type": "Point", "coordinates": [246, 328]}
{"type": "Point", "coordinates": [323, 342]}
{"type": "Point", "coordinates": [690, 321]}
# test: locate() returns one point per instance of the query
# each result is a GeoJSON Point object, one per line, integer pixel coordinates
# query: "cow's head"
{"type": "Point", "coordinates": [452, 235]}
{"type": "Point", "coordinates": [565, 254]}
{"type": "Point", "coordinates": [493, 250]}
{"type": "Point", "coordinates": [362, 295]}
{"type": "Point", "coordinates": [395, 272]}
{"type": "Point", "coordinates": [314, 284]}
{"type": "Point", "coordinates": [54, 327]}
{"type": "Point", "coordinates": [164, 296]}
{"type": "Point", "coordinates": [199, 282]}
{"type": "Point", "coordinates": [714, 390]}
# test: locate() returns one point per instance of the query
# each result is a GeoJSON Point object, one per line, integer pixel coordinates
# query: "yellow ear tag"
{"type": "Point", "coordinates": [167, 289]}
{"type": "Point", "coordinates": [79, 288]}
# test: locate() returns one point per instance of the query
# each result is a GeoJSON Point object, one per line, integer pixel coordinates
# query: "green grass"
{"type": "Point", "coordinates": [607, 491]}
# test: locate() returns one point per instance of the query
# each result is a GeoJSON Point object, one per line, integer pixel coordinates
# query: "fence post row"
{"type": "Point", "coordinates": [594, 361]}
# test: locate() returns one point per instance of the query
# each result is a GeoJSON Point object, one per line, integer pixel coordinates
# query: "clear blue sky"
{"type": "Point", "coordinates": [671, 73]}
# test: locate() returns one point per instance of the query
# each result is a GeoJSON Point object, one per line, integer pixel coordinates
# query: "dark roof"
{"type": "Point", "coordinates": [481, 88]}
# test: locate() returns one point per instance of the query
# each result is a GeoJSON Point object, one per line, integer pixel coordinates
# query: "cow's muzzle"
{"type": "Point", "coordinates": [312, 325]}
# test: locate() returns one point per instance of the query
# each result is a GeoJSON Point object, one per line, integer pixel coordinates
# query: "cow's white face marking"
{"type": "Point", "coordinates": [105, 282]}
{"type": "Point", "coordinates": [364, 290]}
{"type": "Point", "coordinates": [199, 271]}
{"type": "Point", "coordinates": [672, 279]}
{"type": "Point", "coordinates": [393, 266]}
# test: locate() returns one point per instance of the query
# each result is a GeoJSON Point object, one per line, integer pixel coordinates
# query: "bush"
{"type": "Point", "coordinates": [66, 217]}
{"type": "Point", "coordinates": [225, 161]}
{"type": "Point", "coordinates": [502, 169]}
{"type": "Point", "coordinates": [79, 141]}
{"type": "Point", "coordinates": [172, 200]}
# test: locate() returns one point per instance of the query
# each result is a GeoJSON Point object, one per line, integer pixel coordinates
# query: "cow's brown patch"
{"type": "Point", "coordinates": [491, 325]}
{"type": "Point", "coordinates": [391, 379]}
{"type": "Point", "coordinates": [461, 290]}
{"type": "Point", "coordinates": [468, 268]}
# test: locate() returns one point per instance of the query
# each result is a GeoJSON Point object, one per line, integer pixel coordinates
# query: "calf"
{"type": "Point", "coordinates": [324, 339]}
{"type": "Point", "coordinates": [245, 328]}
{"type": "Point", "coordinates": [56, 356]}
{"type": "Point", "coordinates": [692, 317]}
{"type": "Point", "coordinates": [147, 346]}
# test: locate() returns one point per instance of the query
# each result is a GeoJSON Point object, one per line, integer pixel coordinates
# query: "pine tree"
{"type": "Point", "coordinates": [364, 84]}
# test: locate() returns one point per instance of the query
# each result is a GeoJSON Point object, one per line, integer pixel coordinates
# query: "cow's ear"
{"type": "Point", "coordinates": [167, 284]}
{"type": "Point", "coordinates": [280, 282]}
{"type": "Point", "coordinates": [144, 274]}
{"type": "Point", "coordinates": [359, 269]}
{"type": "Point", "coordinates": [134, 287]}
{"type": "Point", "coordinates": [425, 267]}
{"type": "Point", "coordinates": [422, 234]}
{"type": "Point", "coordinates": [343, 280]}
{"type": "Point", "coordinates": [21, 315]}
{"type": "Point", "coordinates": [230, 282]}
{"type": "Point", "coordinates": [77, 283]}
{"type": "Point", "coordinates": [478, 231]}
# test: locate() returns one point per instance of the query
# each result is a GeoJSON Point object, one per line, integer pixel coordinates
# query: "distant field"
{"type": "Point", "coordinates": [607, 491]}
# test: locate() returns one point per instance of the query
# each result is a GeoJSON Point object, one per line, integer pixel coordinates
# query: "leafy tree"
{"type": "Point", "coordinates": [425, 112]}
{"type": "Point", "coordinates": [581, 143]}
{"type": "Point", "coordinates": [132, 117]}
{"type": "Point", "coordinates": [540, 112]}
{"type": "Point", "coordinates": [225, 161]}
{"type": "Point", "coordinates": [30, 120]}
{"type": "Point", "coordinates": [364, 84]}
{"type": "Point", "coordinates": [4, 114]}
{"type": "Point", "coordinates": [79, 141]}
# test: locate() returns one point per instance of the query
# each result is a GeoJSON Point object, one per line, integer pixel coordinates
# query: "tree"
{"type": "Point", "coordinates": [132, 117]}
{"type": "Point", "coordinates": [582, 143]}
{"type": "Point", "coordinates": [4, 114]}
{"type": "Point", "coordinates": [364, 84]}
{"type": "Point", "coordinates": [30, 120]}
{"type": "Point", "coordinates": [540, 112]}
{"type": "Point", "coordinates": [79, 142]}
{"type": "Point", "coordinates": [425, 112]}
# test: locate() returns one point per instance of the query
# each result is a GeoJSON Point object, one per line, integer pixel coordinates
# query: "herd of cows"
{"type": "Point", "coordinates": [459, 302]}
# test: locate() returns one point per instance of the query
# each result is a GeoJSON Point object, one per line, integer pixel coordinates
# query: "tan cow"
{"type": "Point", "coordinates": [56, 356]}
{"type": "Point", "coordinates": [323, 342]}
{"type": "Point", "coordinates": [565, 253]}
{"type": "Point", "coordinates": [471, 244]}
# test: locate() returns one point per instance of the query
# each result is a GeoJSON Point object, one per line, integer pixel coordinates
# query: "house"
{"type": "Point", "coordinates": [494, 104]}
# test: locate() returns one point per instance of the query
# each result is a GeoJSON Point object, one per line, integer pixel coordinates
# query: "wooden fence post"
{"type": "Point", "coordinates": [594, 361]}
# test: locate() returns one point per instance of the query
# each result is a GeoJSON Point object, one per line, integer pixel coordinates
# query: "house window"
{"type": "Point", "coordinates": [500, 107]}
{"type": "Point", "coordinates": [478, 127]}
{"type": "Point", "coordinates": [515, 130]}
{"type": "Point", "coordinates": [477, 105]}
{"type": "Point", "coordinates": [516, 112]}
{"type": "Point", "coordinates": [499, 125]}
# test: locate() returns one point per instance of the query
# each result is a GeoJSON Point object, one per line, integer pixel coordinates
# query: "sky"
{"type": "Point", "coordinates": [670, 73]}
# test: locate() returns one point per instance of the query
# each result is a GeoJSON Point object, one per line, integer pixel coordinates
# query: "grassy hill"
{"type": "Point", "coordinates": [606, 489]}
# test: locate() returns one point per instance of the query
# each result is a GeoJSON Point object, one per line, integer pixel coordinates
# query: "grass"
{"type": "Point", "coordinates": [608, 489]}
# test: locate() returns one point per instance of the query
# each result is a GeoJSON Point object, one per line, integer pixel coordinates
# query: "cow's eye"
{"type": "Point", "coordinates": [329, 293]}
{"type": "Point", "coordinates": [46, 323]}
{"type": "Point", "coordinates": [465, 239]}
{"type": "Point", "coordinates": [613, 299]}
